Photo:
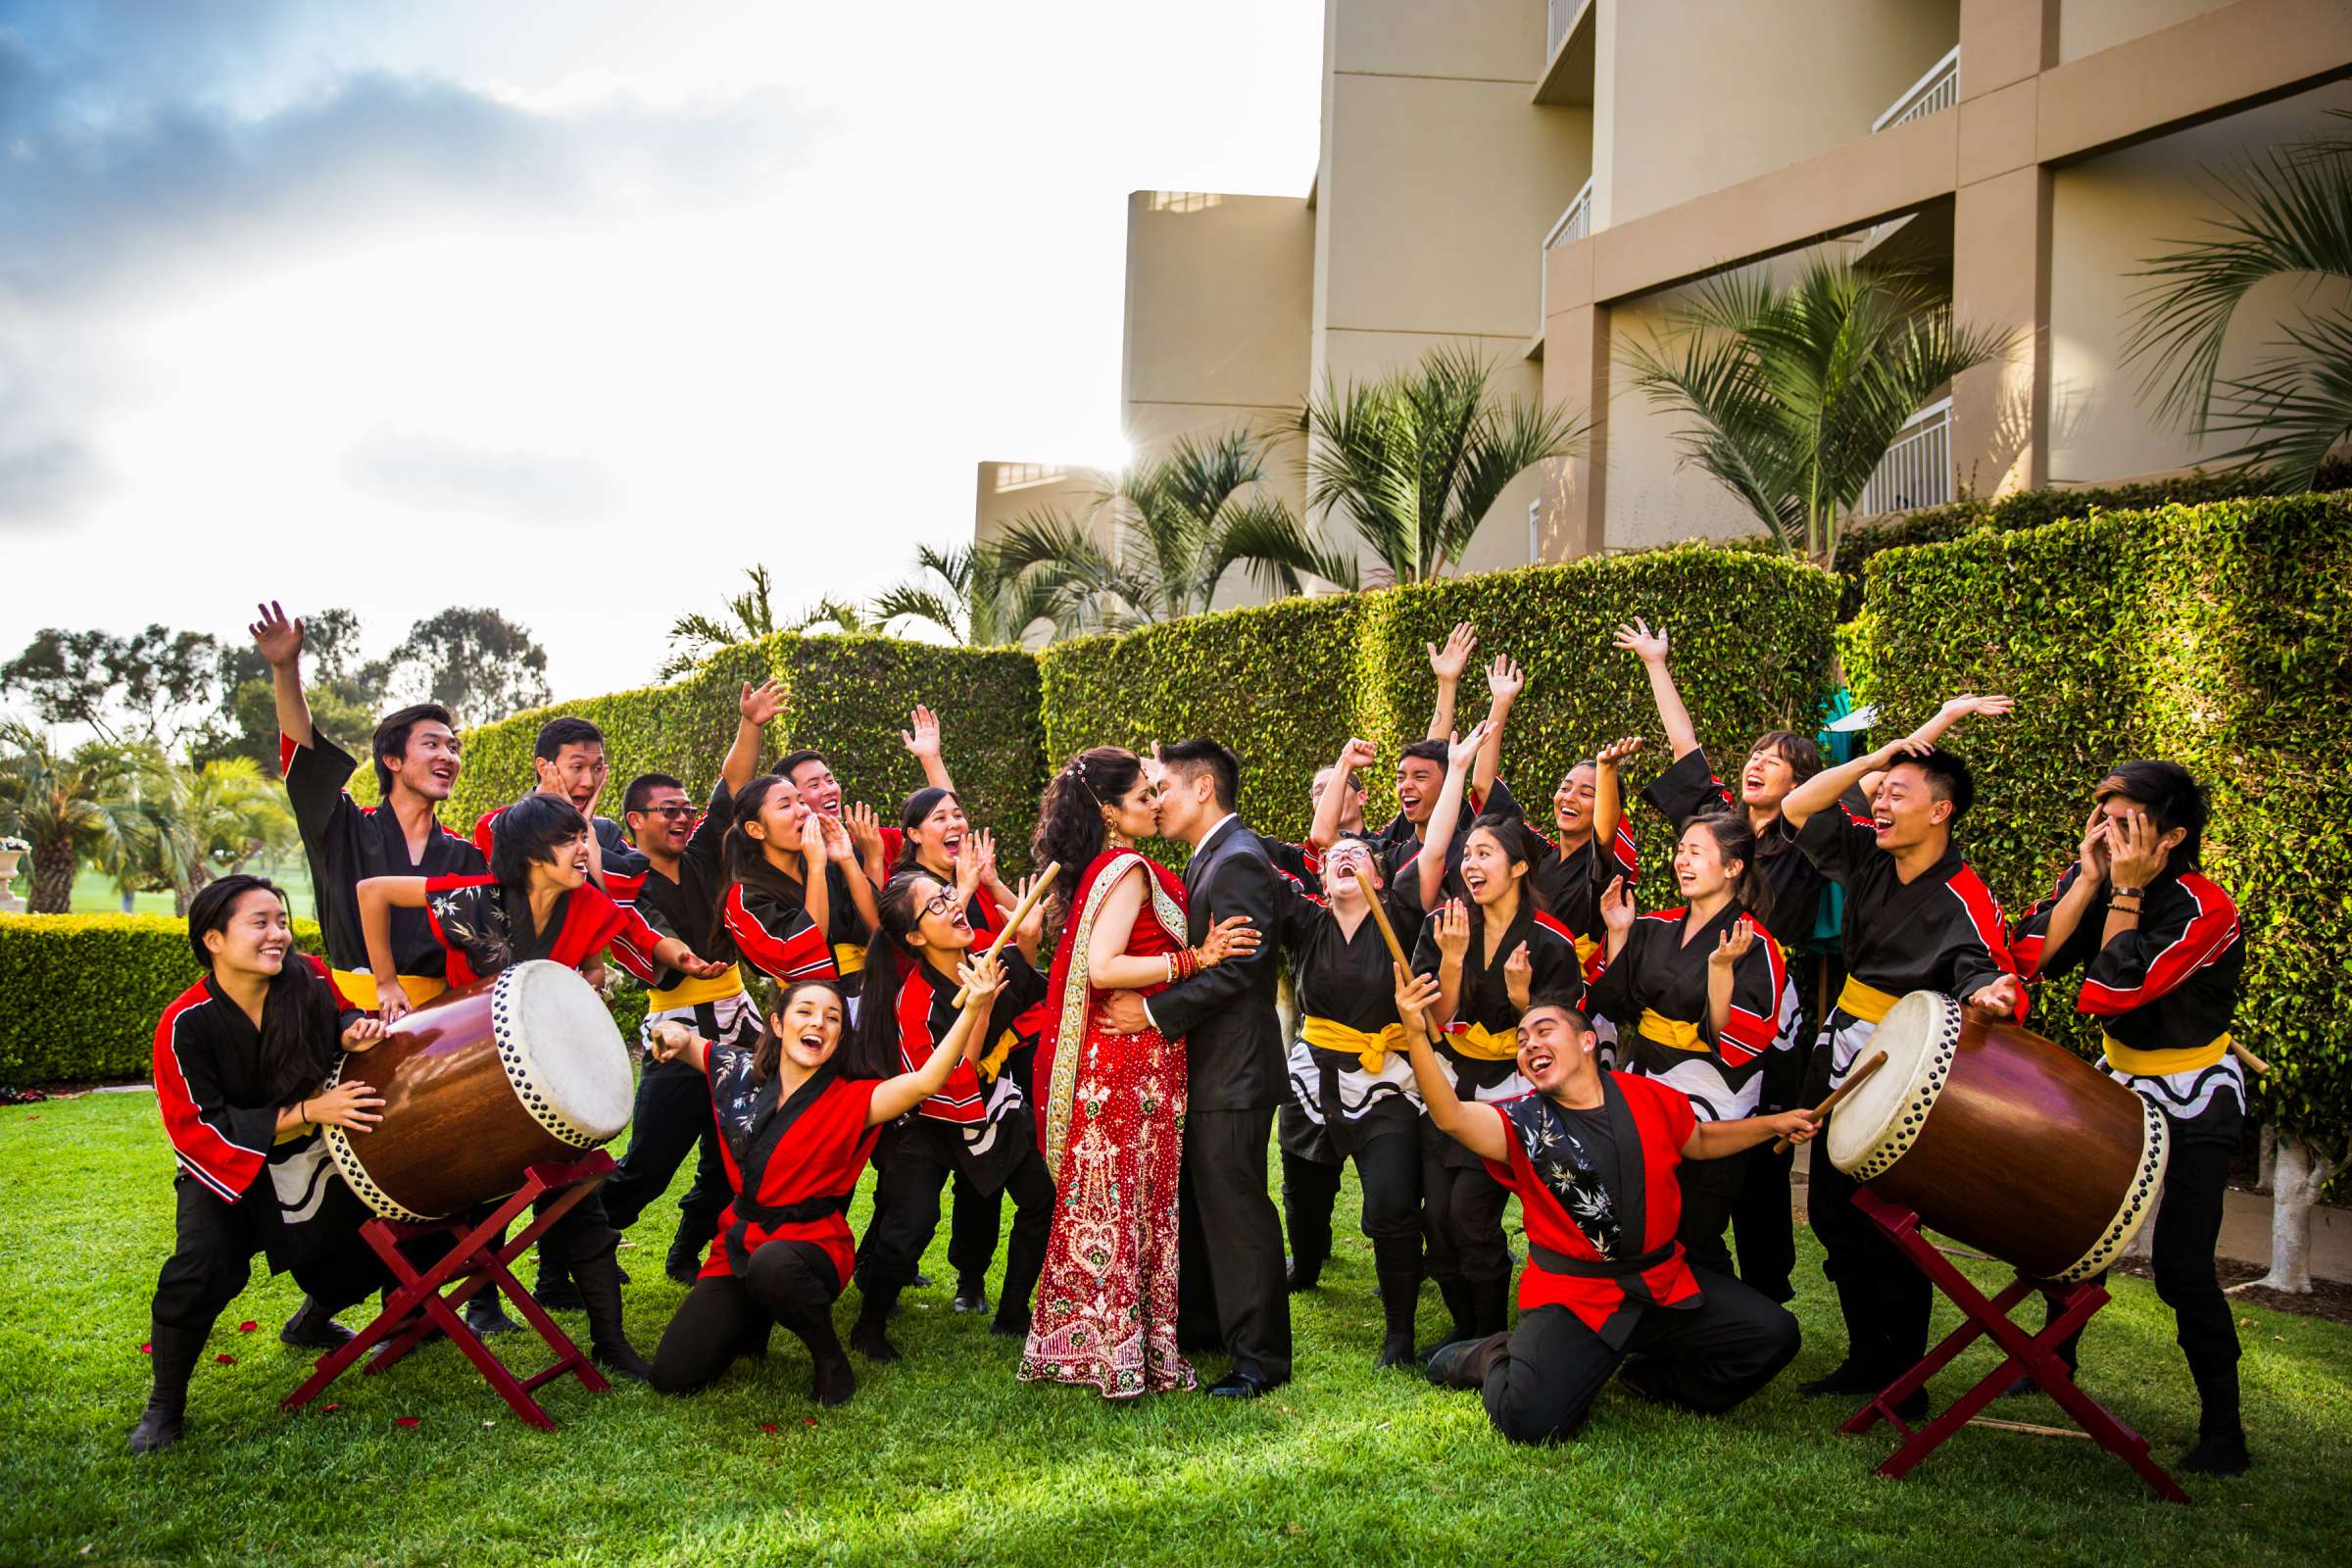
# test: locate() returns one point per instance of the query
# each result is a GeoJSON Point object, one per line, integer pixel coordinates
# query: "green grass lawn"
{"type": "Point", "coordinates": [95, 892]}
{"type": "Point", "coordinates": [944, 1459]}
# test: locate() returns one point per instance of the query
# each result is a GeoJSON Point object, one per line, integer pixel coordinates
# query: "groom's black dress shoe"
{"type": "Point", "coordinates": [1237, 1386]}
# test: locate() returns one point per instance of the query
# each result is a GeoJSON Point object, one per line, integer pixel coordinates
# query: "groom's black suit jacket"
{"type": "Point", "coordinates": [1233, 1049]}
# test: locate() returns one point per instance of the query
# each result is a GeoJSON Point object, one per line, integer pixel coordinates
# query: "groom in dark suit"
{"type": "Point", "coordinates": [1230, 1266]}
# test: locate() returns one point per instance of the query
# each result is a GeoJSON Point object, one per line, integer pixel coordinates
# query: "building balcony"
{"type": "Point", "coordinates": [1917, 469]}
{"type": "Point", "coordinates": [1573, 225]}
{"type": "Point", "coordinates": [1930, 94]}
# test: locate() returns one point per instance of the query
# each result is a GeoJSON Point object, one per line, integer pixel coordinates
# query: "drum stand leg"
{"type": "Point", "coordinates": [479, 1258]}
{"type": "Point", "coordinates": [2035, 1355]}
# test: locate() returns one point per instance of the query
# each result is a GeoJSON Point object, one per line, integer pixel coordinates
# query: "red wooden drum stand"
{"type": "Point", "coordinates": [480, 1259]}
{"type": "Point", "coordinates": [2035, 1356]}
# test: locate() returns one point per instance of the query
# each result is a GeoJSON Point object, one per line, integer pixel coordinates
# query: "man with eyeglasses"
{"type": "Point", "coordinates": [683, 883]}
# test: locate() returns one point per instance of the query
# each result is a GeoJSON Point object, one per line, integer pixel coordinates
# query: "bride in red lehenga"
{"type": "Point", "coordinates": [1111, 1111]}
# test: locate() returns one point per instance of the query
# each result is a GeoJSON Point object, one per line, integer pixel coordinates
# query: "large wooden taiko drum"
{"type": "Point", "coordinates": [2002, 1139]}
{"type": "Point", "coordinates": [482, 1084]}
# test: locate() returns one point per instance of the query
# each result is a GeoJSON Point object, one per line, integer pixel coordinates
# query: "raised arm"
{"type": "Point", "coordinates": [1437, 837]}
{"type": "Point", "coordinates": [278, 638]}
{"type": "Point", "coordinates": [817, 892]}
{"type": "Point", "coordinates": [1475, 1127]}
{"type": "Point", "coordinates": [1447, 663]}
{"type": "Point", "coordinates": [1324, 832]}
{"type": "Point", "coordinates": [980, 979]}
{"type": "Point", "coordinates": [921, 740]}
{"type": "Point", "coordinates": [1609, 794]}
{"type": "Point", "coordinates": [1651, 647]}
{"type": "Point", "coordinates": [1505, 682]}
{"type": "Point", "coordinates": [379, 897]}
{"type": "Point", "coordinates": [1820, 791]}
{"type": "Point", "coordinates": [756, 709]}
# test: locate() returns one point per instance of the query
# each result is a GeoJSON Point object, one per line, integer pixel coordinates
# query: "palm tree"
{"type": "Point", "coordinates": [1418, 458]}
{"type": "Point", "coordinates": [211, 819]}
{"type": "Point", "coordinates": [88, 802]}
{"type": "Point", "coordinates": [969, 595]}
{"type": "Point", "coordinates": [2286, 214]}
{"type": "Point", "coordinates": [1798, 391]}
{"type": "Point", "coordinates": [751, 617]}
{"type": "Point", "coordinates": [1176, 525]}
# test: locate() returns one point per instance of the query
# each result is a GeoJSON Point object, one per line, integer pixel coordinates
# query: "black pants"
{"type": "Point", "coordinates": [2188, 1230]}
{"type": "Point", "coordinates": [1706, 1358]}
{"type": "Point", "coordinates": [907, 1192]}
{"type": "Point", "coordinates": [1710, 1190]}
{"type": "Point", "coordinates": [1390, 1169]}
{"type": "Point", "coordinates": [1462, 1218]}
{"type": "Point", "coordinates": [672, 1116]}
{"type": "Point", "coordinates": [976, 1218]}
{"type": "Point", "coordinates": [1885, 1299]}
{"type": "Point", "coordinates": [1762, 1223]}
{"type": "Point", "coordinates": [792, 1283]}
{"type": "Point", "coordinates": [1229, 1238]}
{"type": "Point", "coordinates": [212, 1258]}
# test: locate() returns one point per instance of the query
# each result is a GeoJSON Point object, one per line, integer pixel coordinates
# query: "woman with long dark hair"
{"type": "Point", "coordinates": [240, 1060]}
{"type": "Point", "coordinates": [796, 1126]}
{"type": "Point", "coordinates": [1698, 992]}
{"type": "Point", "coordinates": [1489, 954]}
{"type": "Point", "coordinates": [778, 906]}
{"type": "Point", "coordinates": [1112, 1113]}
{"type": "Point", "coordinates": [978, 1126]}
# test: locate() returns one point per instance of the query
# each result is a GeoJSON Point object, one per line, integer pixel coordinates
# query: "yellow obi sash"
{"type": "Point", "coordinates": [1481, 1044]}
{"type": "Point", "coordinates": [693, 993]}
{"type": "Point", "coordinates": [1672, 1033]}
{"type": "Point", "coordinates": [2163, 1063]}
{"type": "Point", "coordinates": [994, 1063]}
{"type": "Point", "coordinates": [359, 988]}
{"type": "Point", "coordinates": [849, 957]}
{"type": "Point", "coordinates": [1371, 1049]}
{"type": "Point", "coordinates": [1866, 1002]}
{"type": "Point", "coordinates": [1587, 950]}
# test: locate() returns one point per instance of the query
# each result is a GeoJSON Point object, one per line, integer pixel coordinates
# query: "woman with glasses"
{"type": "Point", "coordinates": [977, 1125]}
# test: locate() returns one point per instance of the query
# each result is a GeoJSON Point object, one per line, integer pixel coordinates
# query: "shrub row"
{"type": "Point", "coordinates": [2219, 636]}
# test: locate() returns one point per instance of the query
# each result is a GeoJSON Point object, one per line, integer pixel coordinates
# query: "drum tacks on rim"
{"type": "Point", "coordinates": [2002, 1140]}
{"type": "Point", "coordinates": [482, 1084]}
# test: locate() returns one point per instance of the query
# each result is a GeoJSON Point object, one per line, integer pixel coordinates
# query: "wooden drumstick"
{"type": "Point", "coordinates": [2247, 1056]}
{"type": "Point", "coordinates": [1021, 912]}
{"type": "Point", "coordinates": [1388, 932]}
{"type": "Point", "coordinates": [1877, 1059]}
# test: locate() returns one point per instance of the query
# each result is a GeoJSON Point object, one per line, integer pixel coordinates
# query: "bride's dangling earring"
{"type": "Point", "coordinates": [1114, 837]}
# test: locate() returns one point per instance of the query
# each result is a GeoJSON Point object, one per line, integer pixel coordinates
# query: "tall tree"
{"type": "Point", "coordinates": [157, 685]}
{"type": "Point", "coordinates": [1416, 460]}
{"type": "Point", "coordinates": [2285, 213]}
{"type": "Point", "coordinates": [1795, 392]}
{"type": "Point", "coordinates": [1160, 538]}
{"type": "Point", "coordinates": [968, 591]}
{"type": "Point", "coordinates": [476, 662]}
{"type": "Point", "coordinates": [68, 805]}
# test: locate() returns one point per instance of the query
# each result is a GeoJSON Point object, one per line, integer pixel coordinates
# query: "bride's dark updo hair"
{"type": "Point", "coordinates": [1069, 823]}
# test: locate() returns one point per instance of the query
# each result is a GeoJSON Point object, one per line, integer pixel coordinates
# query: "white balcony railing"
{"type": "Point", "coordinates": [1576, 223]}
{"type": "Point", "coordinates": [1930, 94]}
{"type": "Point", "coordinates": [1917, 469]}
{"type": "Point", "coordinates": [1557, 16]}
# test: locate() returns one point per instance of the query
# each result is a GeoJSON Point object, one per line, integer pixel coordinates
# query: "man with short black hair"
{"type": "Point", "coordinates": [684, 881]}
{"type": "Point", "coordinates": [1917, 919]}
{"type": "Point", "coordinates": [568, 758]}
{"type": "Point", "coordinates": [1230, 1273]}
{"type": "Point", "coordinates": [1606, 1290]}
{"type": "Point", "coordinates": [417, 760]}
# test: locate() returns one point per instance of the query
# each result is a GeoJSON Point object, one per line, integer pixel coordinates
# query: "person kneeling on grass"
{"type": "Point", "coordinates": [796, 1133]}
{"type": "Point", "coordinates": [1592, 1155]}
{"type": "Point", "coordinates": [241, 1063]}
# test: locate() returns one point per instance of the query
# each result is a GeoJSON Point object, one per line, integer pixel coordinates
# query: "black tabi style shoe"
{"type": "Point", "coordinates": [1849, 1377]}
{"type": "Point", "coordinates": [599, 1282]}
{"type": "Point", "coordinates": [971, 1295]}
{"type": "Point", "coordinates": [1398, 1274]}
{"type": "Point", "coordinates": [2217, 1454]}
{"type": "Point", "coordinates": [1302, 1274]}
{"type": "Point", "coordinates": [314, 1328]}
{"type": "Point", "coordinates": [1012, 1321]}
{"type": "Point", "coordinates": [1239, 1386]}
{"type": "Point", "coordinates": [833, 1379]}
{"type": "Point", "coordinates": [555, 1291]}
{"type": "Point", "coordinates": [486, 1317]}
{"type": "Point", "coordinates": [175, 1353]}
{"type": "Point", "coordinates": [1464, 1363]}
{"type": "Point", "coordinates": [869, 1339]}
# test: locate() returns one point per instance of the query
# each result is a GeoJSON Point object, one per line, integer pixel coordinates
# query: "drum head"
{"type": "Point", "coordinates": [563, 1052]}
{"type": "Point", "coordinates": [1873, 1127]}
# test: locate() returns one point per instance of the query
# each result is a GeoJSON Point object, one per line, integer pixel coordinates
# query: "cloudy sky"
{"type": "Point", "coordinates": [573, 307]}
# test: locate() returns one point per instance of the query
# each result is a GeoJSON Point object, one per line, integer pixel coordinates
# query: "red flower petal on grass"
{"type": "Point", "coordinates": [405, 1421]}
{"type": "Point", "coordinates": [808, 1420]}
{"type": "Point", "coordinates": [767, 1426]}
{"type": "Point", "coordinates": [225, 1359]}
{"type": "Point", "coordinates": [248, 1326]}
{"type": "Point", "coordinates": [147, 1349]}
{"type": "Point", "coordinates": [330, 1409]}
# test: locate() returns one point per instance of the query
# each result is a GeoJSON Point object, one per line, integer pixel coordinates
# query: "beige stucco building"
{"type": "Point", "coordinates": [1538, 179]}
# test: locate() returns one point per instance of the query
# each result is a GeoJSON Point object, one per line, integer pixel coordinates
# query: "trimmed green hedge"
{"type": "Point", "coordinates": [79, 994]}
{"type": "Point", "coordinates": [2033, 509]}
{"type": "Point", "coordinates": [1285, 684]}
{"type": "Point", "coordinates": [2219, 636]}
{"type": "Point", "coordinates": [849, 695]}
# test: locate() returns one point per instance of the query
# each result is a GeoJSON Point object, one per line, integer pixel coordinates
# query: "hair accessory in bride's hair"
{"type": "Point", "coordinates": [1077, 770]}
